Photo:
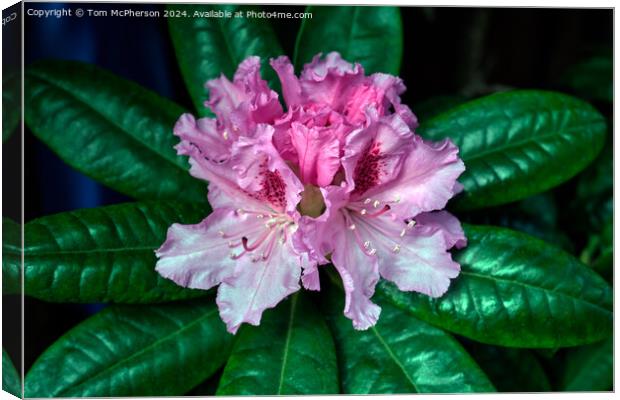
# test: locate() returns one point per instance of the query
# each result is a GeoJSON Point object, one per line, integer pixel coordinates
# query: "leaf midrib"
{"type": "Point", "coordinates": [153, 345]}
{"type": "Point", "coordinates": [92, 251]}
{"type": "Point", "coordinates": [289, 331]}
{"type": "Point", "coordinates": [394, 358]}
{"type": "Point", "coordinates": [107, 119]}
{"type": "Point", "coordinates": [527, 285]}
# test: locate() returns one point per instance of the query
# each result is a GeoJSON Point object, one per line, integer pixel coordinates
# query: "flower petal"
{"type": "Point", "coordinates": [259, 285]}
{"type": "Point", "coordinates": [374, 156]}
{"type": "Point", "coordinates": [447, 223]}
{"type": "Point", "coordinates": [427, 179]}
{"type": "Point", "coordinates": [196, 256]}
{"type": "Point", "coordinates": [291, 90]}
{"type": "Point", "coordinates": [318, 154]}
{"type": "Point", "coordinates": [325, 80]}
{"type": "Point", "coordinates": [263, 174]}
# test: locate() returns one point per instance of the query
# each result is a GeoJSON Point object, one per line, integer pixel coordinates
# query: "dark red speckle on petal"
{"type": "Point", "coordinates": [368, 169]}
{"type": "Point", "coordinates": [273, 188]}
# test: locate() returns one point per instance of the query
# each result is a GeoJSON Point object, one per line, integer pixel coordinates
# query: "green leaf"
{"type": "Point", "coordinates": [519, 143]}
{"type": "Point", "coordinates": [510, 370]}
{"type": "Point", "coordinates": [111, 129]}
{"type": "Point", "coordinates": [104, 254]}
{"type": "Point", "coordinates": [207, 47]}
{"type": "Point", "coordinates": [11, 257]}
{"type": "Point", "coordinates": [371, 36]}
{"type": "Point", "coordinates": [400, 354]}
{"type": "Point", "coordinates": [291, 352]}
{"type": "Point", "coordinates": [11, 381]}
{"type": "Point", "coordinates": [516, 291]}
{"type": "Point", "coordinates": [133, 351]}
{"type": "Point", "coordinates": [11, 104]}
{"type": "Point", "coordinates": [589, 368]}
{"type": "Point", "coordinates": [592, 78]}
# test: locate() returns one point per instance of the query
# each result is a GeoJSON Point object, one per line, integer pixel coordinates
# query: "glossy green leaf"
{"type": "Point", "coordinates": [11, 104]}
{"type": "Point", "coordinates": [207, 47]}
{"type": "Point", "coordinates": [11, 381]}
{"type": "Point", "coordinates": [589, 368]}
{"type": "Point", "coordinates": [519, 143]}
{"type": "Point", "coordinates": [516, 291]}
{"type": "Point", "coordinates": [592, 78]}
{"type": "Point", "coordinates": [291, 352]}
{"type": "Point", "coordinates": [371, 36]}
{"type": "Point", "coordinates": [104, 254]}
{"type": "Point", "coordinates": [510, 370]}
{"type": "Point", "coordinates": [11, 257]}
{"type": "Point", "coordinates": [400, 354]}
{"type": "Point", "coordinates": [133, 351]}
{"type": "Point", "coordinates": [109, 128]}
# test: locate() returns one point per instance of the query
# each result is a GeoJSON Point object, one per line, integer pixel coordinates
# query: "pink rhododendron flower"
{"type": "Point", "coordinates": [338, 177]}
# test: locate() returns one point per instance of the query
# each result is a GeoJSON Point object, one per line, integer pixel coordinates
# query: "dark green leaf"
{"type": "Point", "coordinates": [510, 370]}
{"type": "Point", "coordinates": [208, 47]}
{"type": "Point", "coordinates": [592, 78]}
{"type": "Point", "coordinates": [371, 36]}
{"type": "Point", "coordinates": [519, 143]}
{"type": "Point", "coordinates": [11, 381]}
{"type": "Point", "coordinates": [11, 257]}
{"type": "Point", "coordinates": [590, 368]}
{"type": "Point", "coordinates": [516, 291]}
{"type": "Point", "coordinates": [110, 129]}
{"type": "Point", "coordinates": [208, 387]}
{"type": "Point", "coordinates": [291, 352]}
{"type": "Point", "coordinates": [400, 354]}
{"type": "Point", "coordinates": [11, 104]}
{"type": "Point", "coordinates": [133, 351]}
{"type": "Point", "coordinates": [104, 254]}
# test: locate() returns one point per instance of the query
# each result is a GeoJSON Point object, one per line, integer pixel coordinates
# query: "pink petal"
{"type": "Point", "coordinates": [391, 87]}
{"type": "Point", "coordinates": [426, 180]}
{"type": "Point", "coordinates": [245, 102]}
{"type": "Point", "coordinates": [318, 154]}
{"type": "Point", "coordinates": [263, 174]}
{"type": "Point", "coordinates": [291, 89]}
{"type": "Point", "coordinates": [259, 285]}
{"type": "Point", "coordinates": [447, 223]}
{"type": "Point", "coordinates": [422, 264]}
{"type": "Point", "coordinates": [360, 274]}
{"type": "Point", "coordinates": [195, 256]}
{"type": "Point", "coordinates": [325, 80]}
{"type": "Point", "coordinates": [374, 156]}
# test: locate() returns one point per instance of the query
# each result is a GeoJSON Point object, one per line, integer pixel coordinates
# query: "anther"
{"type": "Point", "coordinates": [367, 244]}
{"type": "Point", "coordinates": [396, 249]}
{"type": "Point", "coordinates": [411, 224]}
{"type": "Point", "coordinates": [364, 211]}
{"type": "Point", "coordinates": [367, 201]}
{"type": "Point", "coordinates": [397, 199]}
{"type": "Point", "coordinates": [352, 226]}
{"type": "Point", "coordinates": [225, 135]}
{"type": "Point", "coordinates": [221, 233]}
{"type": "Point", "coordinates": [260, 216]}
{"type": "Point", "coordinates": [372, 252]}
{"type": "Point", "coordinates": [376, 203]}
{"type": "Point", "coordinates": [403, 232]}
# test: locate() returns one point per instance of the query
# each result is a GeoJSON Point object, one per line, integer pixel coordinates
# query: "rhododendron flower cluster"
{"type": "Point", "coordinates": [338, 176]}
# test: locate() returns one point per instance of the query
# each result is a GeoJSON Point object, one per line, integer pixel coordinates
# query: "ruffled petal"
{"type": "Point", "coordinates": [291, 90]}
{"type": "Point", "coordinates": [324, 80]}
{"type": "Point", "coordinates": [262, 174]}
{"type": "Point", "coordinates": [374, 156]}
{"type": "Point", "coordinates": [422, 263]}
{"type": "Point", "coordinates": [427, 179]}
{"type": "Point", "coordinates": [360, 274]}
{"type": "Point", "coordinates": [245, 102]}
{"type": "Point", "coordinates": [414, 256]}
{"type": "Point", "coordinates": [448, 224]}
{"type": "Point", "coordinates": [258, 286]}
{"type": "Point", "coordinates": [390, 88]}
{"type": "Point", "coordinates": [196, 256]}
{"type": "Point", "coordinates": [318, 154]}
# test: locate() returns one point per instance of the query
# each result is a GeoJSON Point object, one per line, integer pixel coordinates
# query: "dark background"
{"type": "Point", "coordinates": [465, 51]}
